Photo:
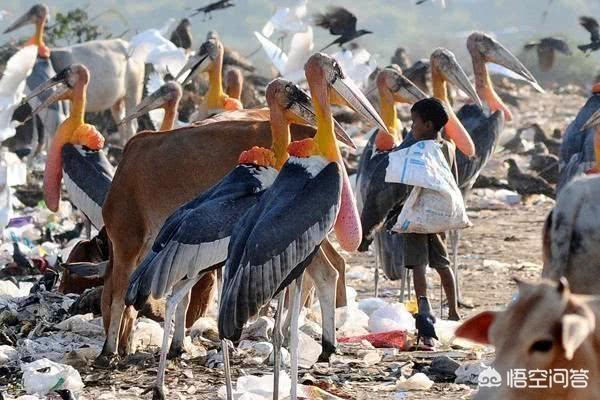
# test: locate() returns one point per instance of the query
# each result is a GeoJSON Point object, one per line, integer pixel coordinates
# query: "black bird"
{"type": "Point", "coordinates": [527, 184]}
{"type": "Point", "coordinates": [551, 143]}
{"type": "Point", "coordinates": [424, 322]}
{"type": "Point", "coordinates": [544, 163]}
{"type": "Point", "coordinates": [69, 235]}
{"type": "Point", "coordinates": [546, 48]}
{"type": "Point", "coordinates": [20, 259]}
{"type": "Point", "coordinates": [65, 394]}
{"type": "Point", "coordinates": [340, 22]}
{"type": "Point", "coordinates": [182, 35]}
{"type": "Point", "coordinates": [214, 6]}
{"type": "Point", "coordinates": [46, 282]}
{"type": "Point", "coordinates": [591, 25]}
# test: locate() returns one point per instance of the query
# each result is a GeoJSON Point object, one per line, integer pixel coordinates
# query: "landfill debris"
{"type": "Point", "coordinates": [43, 375]}
{"type": "Point", "coordinates": [444, 368]}
{"type": "Point", "coordinates": [469, 372]}
{"type": "Point", "coordinates": [252, 387]}
{"type": "Point", "coordinates": [81, 324]}
{"type": "Point", "coordinates": [392, 317]}
{"type": "Point", "coordinates": [350, 321]}
{"type": "Point", "coordinates": [260, 330]}
{"type": "Point", "coordinates": [394, 339]}
{"type": "Point", "coordinates": [146, 333]}
{"type": "Point", "coordinates": [309, 352]}
{"type": "Point", "coordinates": [418, 381]}
{"type": "Point", "coordinates": [8, 354]}
{"type": "Point", "coordinates": [371, 304]}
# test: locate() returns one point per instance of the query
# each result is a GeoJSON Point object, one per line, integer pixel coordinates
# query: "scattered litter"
{"type": "Point", "coordinates": [371, 304]}
{"type": "Point", "coordinates": [469, 372]}
{"type": "Point", "coordinates": [392, 317]}
{"type": "Point", "coordinates": [43, 375]}
{"type": "Point", "coordinates": [8, 354]}
{"type": "Point", "coordinates": [418, 381]}
{"type": "Point", "coordinates": [252, 387]}
{"type": "Point", "coordinates": [394, 339]}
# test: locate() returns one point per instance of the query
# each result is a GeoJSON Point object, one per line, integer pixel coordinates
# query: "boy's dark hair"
{"type": "Point", "coordinates": [433, 110]}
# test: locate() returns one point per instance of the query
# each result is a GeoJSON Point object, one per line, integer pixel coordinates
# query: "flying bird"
{"type": "Point", "coordinates": [546, 48]}
{"type": "Point", "coordinates": [214, 6]}
{"type": "Point", "coordinates": [419, 2]}
{"type": "Point", "coordinates": [340, 22]}
{"type": "Point", "coordinates": [182, 35]}
{"type": "Point", "coordinates": [591, 25]}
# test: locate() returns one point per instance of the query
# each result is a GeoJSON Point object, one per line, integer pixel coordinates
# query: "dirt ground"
{"type": "Point", "coordinates": [501, 244]}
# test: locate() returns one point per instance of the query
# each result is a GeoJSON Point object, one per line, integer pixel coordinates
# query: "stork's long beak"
{"type": "Point", "coordinates": [457, 76]}
{"type": "Point", "coordinates": [305, 112]}
{"type": "Point", "coordinates": [60, 93]}
{"type": "Point", "coordinates": [23, 20]}
{"type": "Point", "coordinates": [592, 122]}
{"type": "Point", "coordinates": [354, 98]}
{"type": "Point", "coordinates": [152, 102]}
{"type": "Point", "coordinates": [499, 54]}
{"type": "Point", "coordinates": [408, 91]}
{"type": "Point", "coordinates": [196, 63]}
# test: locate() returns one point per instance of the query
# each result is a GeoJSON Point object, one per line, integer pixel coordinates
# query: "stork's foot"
{"type": "Point", "coordinates": [175, 352]}
{"type": "Point", "coordinates": [158, 393]}
{"type": "Point", "coordinates": [328, 350]}
{"type": "Point", "coordinates": [107, 361]}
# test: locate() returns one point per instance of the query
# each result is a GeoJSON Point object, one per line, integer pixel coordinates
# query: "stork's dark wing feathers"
{"type": "Point", "coordinates": [338, 20]}
{"type": "Point", "coordinates": [276, 240]}
{"type": "Point", "coordinates": [591, 25]}
{"type": "Point", "coordinates": [195, 237]}
{"type": "Point", "coordinates": [485, 132]}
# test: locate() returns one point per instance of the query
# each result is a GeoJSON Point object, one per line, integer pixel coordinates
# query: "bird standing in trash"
{"type": "Point", "coordinates": [527, 184]}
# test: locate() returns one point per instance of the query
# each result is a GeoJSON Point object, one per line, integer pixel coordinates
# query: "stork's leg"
{"type": "Point", "coordinates": [377, 263]}
{"type": "Point", "coordinates": [404, 274]}
{"type": "Point", "coordinates": [295, 307]}
{"type": "Point", "coordinates": [180, 291]}
{"type": "Point", "coordinates": [454, 239]}
{"type": "Point", "coordinates": [339, 264]}
{"type": "Point", "coordinates": [277, 341]}
{"type": "Point", "coordinates": [324, 275]}
{"type": "Point", "coordinates": [224, 342]}
{"type": "Point", "coordinates": [176, 348]}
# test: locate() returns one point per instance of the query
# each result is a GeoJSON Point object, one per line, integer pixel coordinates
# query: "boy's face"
{"type": "Point", "coordinates": [421, 129]}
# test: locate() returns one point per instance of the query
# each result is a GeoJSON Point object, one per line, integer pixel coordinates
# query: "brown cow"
{"type": "Point", "coordinates": [547, 329]}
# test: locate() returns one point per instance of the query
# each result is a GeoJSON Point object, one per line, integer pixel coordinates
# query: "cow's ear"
{"type": "Point", "coordinates": [477, 328]}
{"type": "Point", "coordinates": [575, 328]}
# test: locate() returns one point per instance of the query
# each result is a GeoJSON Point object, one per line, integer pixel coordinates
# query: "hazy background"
{"type": "Point", "coordinates": [394, 23]}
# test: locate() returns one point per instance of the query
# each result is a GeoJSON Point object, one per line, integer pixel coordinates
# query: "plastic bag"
{"type": "Point", "coordinates": [435, 203]}
{"type": "Point", "coordinates": [430, 211]}
{"type": "Point", "coordinates": [43, 376]}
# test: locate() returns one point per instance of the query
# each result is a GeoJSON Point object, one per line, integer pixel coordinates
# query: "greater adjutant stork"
{"type": "Point", "coordinates": [194, 239]}
{"type": "Point", "coordinates": [75, 149]}
{"type": "Point", "coordinates": [276, 240]}
{"type": "Point", "coordinates": [209, 58]}
{"type": "Point", "coordinates": [381, 197]}
{"type": "Point", "coordinates": [393, 87]}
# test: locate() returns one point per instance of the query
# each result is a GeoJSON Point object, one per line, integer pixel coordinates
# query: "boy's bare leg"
{"type": "Point", "coordinates": [449, 285]}
{"type": "Point", "coordinates": [420, 280]}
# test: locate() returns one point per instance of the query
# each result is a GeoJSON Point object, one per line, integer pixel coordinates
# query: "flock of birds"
{"type": "Point", "coordinates": [264, 221]}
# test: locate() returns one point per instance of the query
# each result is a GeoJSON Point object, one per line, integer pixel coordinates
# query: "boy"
{"type": "Point", "coordinates": [419, 250]}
